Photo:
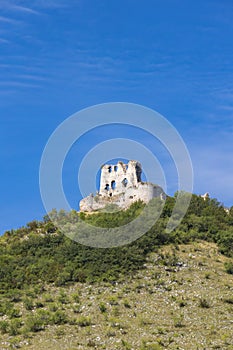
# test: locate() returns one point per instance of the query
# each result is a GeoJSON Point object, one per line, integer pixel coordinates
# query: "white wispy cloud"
{"type": "Point", "coordinates": [24, 9]}
{"type": "Point", "coordinates": [16, 7]}
{"type": "Point", "coordinates": [52, 3]}
{"type": "Point", "coordinates": [4, 19]}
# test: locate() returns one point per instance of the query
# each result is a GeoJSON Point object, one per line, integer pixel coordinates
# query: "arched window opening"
{"type": "Point", "coordinates": [113, 185]}
{"type": "Point", "coordinates": [107, 187]}
{"type": "Point", "coordinates": [109, 169]}
{"type": "Point", "coordinates": [115, 167]}
{"type": "Point", "coordinates": [125, 182]}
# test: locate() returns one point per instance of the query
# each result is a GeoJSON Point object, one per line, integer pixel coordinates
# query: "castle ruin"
{"type": "Point", "coordinates": [121, 185]}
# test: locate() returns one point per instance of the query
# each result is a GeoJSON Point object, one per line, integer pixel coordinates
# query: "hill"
{"type": "Point", "coordinates": [163, 291]}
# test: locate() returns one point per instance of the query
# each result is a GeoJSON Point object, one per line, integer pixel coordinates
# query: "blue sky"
{"type": "Point", "coordinates": [57, 57]}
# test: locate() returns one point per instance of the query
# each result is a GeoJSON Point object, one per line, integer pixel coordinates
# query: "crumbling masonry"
{"type": "Point", "coordinates": [121, 185]}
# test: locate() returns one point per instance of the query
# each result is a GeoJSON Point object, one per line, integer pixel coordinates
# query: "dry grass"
{"type": "Point", "coordinates": [181, 300]}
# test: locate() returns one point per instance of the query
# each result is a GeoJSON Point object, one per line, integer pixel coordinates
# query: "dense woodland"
{"type": "Point", "coordinates": [39, 253]}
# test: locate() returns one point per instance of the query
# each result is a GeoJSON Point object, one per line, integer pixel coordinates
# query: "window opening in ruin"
{"type": "Point", "coordinates": [109, 169]}
{"type": "Point", "coordinates": [115, 168]}
{"type": "Point", "coordinates": [125, 182]}
{"type": "Point", "coordinates": [138, 173]}
{"type": "Point", "coordinates": [113, 185]}
{"type": "Point", "coordinates": [107, 187]}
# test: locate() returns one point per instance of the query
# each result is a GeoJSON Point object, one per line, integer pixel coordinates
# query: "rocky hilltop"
{"type": "Point", "coordinates": [121, 185]}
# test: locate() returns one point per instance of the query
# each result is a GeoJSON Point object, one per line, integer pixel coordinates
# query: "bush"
{"type": "Point", "coordinates": [126, 303]}
{"type": "Point", "coordinates": [28, 304]}
{"type": "Point", "coordinates": [76, 297]}
{"type": "Point", "coordinates": [59, 317]}
{"type": "Point", "coordinates": [34, 324]}
{"type": "Point", "coordinates": [204, 303]}
{"type": "Point", "coordinates": [178, 321]}
{"type": "Point", "coordinates": [14, 313]}
{"type": "Point", "coordinates": [14, 327]}
{"type": "Point", "coordinates": [63, 298]}
{"type": "Point", "coordinates": [83, 321]}
{"type": "Point", "coordinates": [4, 326]}
{"type": "Point", "coordinates": [225, 242]}
{"type": "Point", "coordinates": [229, 267]}
{"type": "Point", "coordinates": [113, 300]}
{"type": "Point", "coordinates": [38, 321]}
{"type": "Point", "coordinates": [102, 307]}
{"type": "Point", "coordinates": [48, 298]}
{"type": "Point", "coordinates": [150, 346]}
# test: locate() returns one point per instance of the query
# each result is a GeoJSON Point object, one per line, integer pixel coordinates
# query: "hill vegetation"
{"type": "Point", "coordinates": [52, 287]}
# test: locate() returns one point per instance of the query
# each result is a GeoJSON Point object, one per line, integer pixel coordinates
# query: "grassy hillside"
{"type": "Point", "coordinates": [181, 299]}
{"type": "Point", "coordinates": [163, 291]}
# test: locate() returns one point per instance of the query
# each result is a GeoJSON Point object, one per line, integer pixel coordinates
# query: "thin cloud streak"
{"type": "Point", "coordinates": [25, 9]}
{"type": "Point", "coordinates": [52, 3]}
{"type": "Point", "coordinates": [4, 41]}
{"type": "Point", "coordinates": [4, 19]}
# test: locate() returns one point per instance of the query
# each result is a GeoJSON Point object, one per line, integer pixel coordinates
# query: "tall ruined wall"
{"type": "Point", "coordinates": [116, 179]}
{"type": "Point", "coordinates": [121, 185]}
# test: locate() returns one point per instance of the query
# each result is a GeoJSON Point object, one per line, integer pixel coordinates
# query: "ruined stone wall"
{"type": "Point", "coordinates": [144, 192]}
{"type": "Point", "coordinates": [121, 185]}
{"type": "Point", "coordinates": [116, 179]}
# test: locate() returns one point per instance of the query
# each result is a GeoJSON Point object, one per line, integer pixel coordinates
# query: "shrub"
{"type": "Point", "coordinates": [77, 309]}
{"type": "Point", "coordinates": [179, 321]}
{"type": "Point", "coordinates": [102, 307]}
{"type": "Point", "coordinates": [14, 295]}
{"type": "Point", "coordinates": [39, 304]}
{"type": "Point", "coordinates": [59, 317]}
{"type": "Point", "coordinates": [150, 346]}
{"type": "Point", "coordinates": [126, 345]}
{"type": "Point", "coordinates": [229, 267]}
{"type": "Point", "coordinates": [38, 321]}
{"type": "Point", "coordinates": [83, 321]}
{"type": "Point", "coordinates": [14, 327]}
{"type": "Point", "coordinates": [63, 298]}
{"type": "Point", "coordinates": [28, 304]}
{"type": "Point", "coordinates": [14, 313]}
{"type": "Point", "coordinates": [34, 324]}
{"type": "Point", "coordinates": [204, 303]}
{"type": "Point", "coordinates": [113, 300]}
{"type": "Point", "coordinates": [53, 307]}
{"type": "Point", "coordinates": [225, 242]}
{"type": "Point", "coordinates": [126, 303]}
{"type": "Point", "coordinates": [76, 297]}
{"type": "Point", "coordinates": [4, 326]}
{"type": "Point", "coordinates": [48, 298]}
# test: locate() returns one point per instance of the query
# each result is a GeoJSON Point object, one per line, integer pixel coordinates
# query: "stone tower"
{"type": "Point", "coordinates": [116, 179]}
{"type": "Point", "coordinates": [121, 185]}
